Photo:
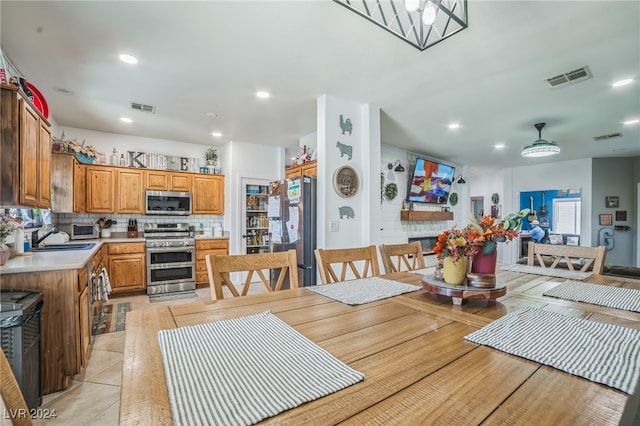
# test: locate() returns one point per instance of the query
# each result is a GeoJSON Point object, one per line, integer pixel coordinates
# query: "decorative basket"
{"type": "Point", "coordinates": [83, 158]}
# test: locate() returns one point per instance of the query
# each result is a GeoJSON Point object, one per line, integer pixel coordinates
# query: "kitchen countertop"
{"type": "Point", "coordinates": [50, 260]}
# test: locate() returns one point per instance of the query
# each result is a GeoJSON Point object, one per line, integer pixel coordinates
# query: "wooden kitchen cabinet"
{"type": "Point", "coordinates": [158, 180]}
{"type": "Point", "coordinates": [101, 184]}
{"type": "Point", "coordinates": [25, 143]}
{"type": "Point", "coordinates": [84, 321]}
{"type": "Point", "coordinates": [208, 194]}
{"type": "Point", "coordinates": [126, 266]}
{"type": "Point", "coordinates": [309, 169]}
{"type": "Point", "coordinates": [130, 193]}
{"type": "Point", "coordinates": [68, 183]}
{"type": "Point", "coordinates": [203, 248]}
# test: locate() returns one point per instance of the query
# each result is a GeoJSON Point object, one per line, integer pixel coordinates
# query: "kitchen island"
{"type": "Point", "coordinates": [63, 279]}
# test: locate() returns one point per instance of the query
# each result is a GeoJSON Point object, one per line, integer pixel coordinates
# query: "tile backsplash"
{"type": "Point", "coordinates": [63, 221]}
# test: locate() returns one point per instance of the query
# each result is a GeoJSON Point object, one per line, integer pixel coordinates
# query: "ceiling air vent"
{"type": "Point", "coordinates": [574, 76]}
{"type": "Point", "coordinates": [605, 137]}
{"type": "Point", "coordinates": [143, 107]}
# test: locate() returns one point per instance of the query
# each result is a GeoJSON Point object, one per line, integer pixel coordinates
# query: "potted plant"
{"type": "Point", "coordinates": [211, 155]}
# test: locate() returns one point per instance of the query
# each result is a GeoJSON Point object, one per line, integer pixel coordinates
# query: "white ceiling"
{"type": "Point", "coordinates": [200, 57]}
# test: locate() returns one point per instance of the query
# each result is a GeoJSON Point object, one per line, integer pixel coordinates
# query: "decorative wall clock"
{"type": "Point", "coordinates": [346, 182]}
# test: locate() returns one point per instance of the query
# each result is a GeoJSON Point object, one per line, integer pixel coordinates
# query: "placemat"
{"type": "Point", "coordinates": [603, 353]}
{"type": "Point", "coordinates": [424, 271]}
{"type": "Point", "coordinates": [539, 270]}
{"type": "Point", "coordinates": [243, 370]}
{"type": "Point", "coordinates": [627, 299]}
{"type": "Point", "coordinates": [364, 290]}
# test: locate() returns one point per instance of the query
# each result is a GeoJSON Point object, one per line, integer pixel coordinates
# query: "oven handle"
{"type": "Point", "coordinates": [165, 249]}
{"type": "Point", "coordinates": [171, 265]}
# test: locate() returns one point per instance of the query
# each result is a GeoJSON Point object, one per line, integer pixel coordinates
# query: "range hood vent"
{"type": "Point", "coordinates": [605, 137]}
{"type": "Point", "coordinates": [575, 76]}
{"type": "Point", "coordinates": [143, 108]}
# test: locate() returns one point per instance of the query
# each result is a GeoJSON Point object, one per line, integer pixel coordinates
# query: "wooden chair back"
{"type": "Point", "coordinates": [219, 268]}
{"type": "Point", "coordinates": [402, 257]}
{"type": "Point", "coordinates": [550, 256]}
{"type": "Point", "coordinates": [16, 406]}
{"type": "Point", "coordinates": [368, 257]}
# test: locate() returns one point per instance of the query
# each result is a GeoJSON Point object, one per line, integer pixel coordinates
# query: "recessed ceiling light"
{"type": "Point", "coordinates": [454, 126]}
{"type": "Point", "coordinates": [262, 94]}
{"type": "Point", "coordinates": [216, 134]}
{"type": "Point", "coordinates": [128, 59]}
{"type": "Point", "coordinates": [211, 114]}
{"type": "Point", "coordinates": [624, 82]}
{"type": "Point", "coordinates": [499, 146]}
{"type": "Point", "coordinates": [126, 119]}
{"type": "Point", "coordinates": [630, 122]}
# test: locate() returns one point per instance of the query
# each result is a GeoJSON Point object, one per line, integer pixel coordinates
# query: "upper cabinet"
{"type": "Point", "coordinates": [208, 194]}
{"type": "Point", "coordinates": [25, 175]}
{"type": "Point", "coordinates": [101, 183]}
{"type": "Point", "coordinates": [159, 180]}
{"type": "Point", "coordinates": [130, 193]}
{"type": "Point", "coordinates": [308, 169]}
{"type": "Point", "coordinates": [68, 184]}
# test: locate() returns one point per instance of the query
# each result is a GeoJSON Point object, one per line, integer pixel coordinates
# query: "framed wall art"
{"type": "Point", "coordinates": [606, 219]}
{"type": "Point", "coordinates": [621, 215]}
{"type": "Point", "coordinates": [612, 201]}
{"type": "Point", "coordinates": [346, 181]}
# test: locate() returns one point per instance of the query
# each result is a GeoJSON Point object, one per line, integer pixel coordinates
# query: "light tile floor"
{"type": "Point", "coordinates": [93, 398]}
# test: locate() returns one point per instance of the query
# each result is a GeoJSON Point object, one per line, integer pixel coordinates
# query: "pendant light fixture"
{"type": "Point", "coordinates": [541, 147]}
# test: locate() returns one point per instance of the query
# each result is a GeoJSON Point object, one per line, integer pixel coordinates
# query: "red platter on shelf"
{"type": "Point", "coordinates": [39, 101]}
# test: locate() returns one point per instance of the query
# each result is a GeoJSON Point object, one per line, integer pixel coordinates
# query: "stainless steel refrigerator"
{"type": "Point", "coordinates": [292, 224]}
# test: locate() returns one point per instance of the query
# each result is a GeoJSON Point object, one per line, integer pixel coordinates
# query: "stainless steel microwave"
{"type": "Point", "coordinates": [167, 203]}
{"type": "Point", "coordinates": [84, 231]}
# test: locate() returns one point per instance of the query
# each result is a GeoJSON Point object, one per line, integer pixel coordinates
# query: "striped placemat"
{"type": "Point", "coordinates": [363, 290]}
{"type": "Point", "coordinates": [603, 353]}
{"type": "Point", "coordinates": [627, 299]}
{"type": "Point", "coordinates": [243, 370]}
{"type": "Point", "coordinates": [539, 270]}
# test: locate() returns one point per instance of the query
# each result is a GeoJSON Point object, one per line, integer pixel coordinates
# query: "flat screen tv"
{"type": "Point", "coordinates": [431, 182]}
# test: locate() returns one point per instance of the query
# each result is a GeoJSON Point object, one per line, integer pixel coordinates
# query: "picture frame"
{"type": "Point", "coordinates": [621, 215]}
{"type": "Point", "coordinates": [606, 219]}
{"type": "Point", "coordinates": [612, 201]}
{"type": "Point", "coordinates": [346, 181]}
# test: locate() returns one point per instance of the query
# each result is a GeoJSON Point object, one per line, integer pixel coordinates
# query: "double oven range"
{"type": "Point", "coordinates": [171, 258]}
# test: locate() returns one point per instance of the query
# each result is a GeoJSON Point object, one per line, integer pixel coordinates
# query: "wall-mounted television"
{"type": "Point", "coordinates": [431, 182]}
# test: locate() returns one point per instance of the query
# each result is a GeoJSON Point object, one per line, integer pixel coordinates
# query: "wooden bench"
{"type": "Point", "coordinates": [570, 257]}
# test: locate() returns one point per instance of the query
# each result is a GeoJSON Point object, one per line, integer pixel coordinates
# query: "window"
{"type": "Point", "coordinates": [31, 218]}
{"type": "Point", "coordinates": [566, 216]}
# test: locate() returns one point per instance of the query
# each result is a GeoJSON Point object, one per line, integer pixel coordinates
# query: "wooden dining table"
{"type": "Point", "coordinates": [418, 367]}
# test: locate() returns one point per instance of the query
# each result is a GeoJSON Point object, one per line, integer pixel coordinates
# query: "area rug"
{"type": "Point", "coordinates": [364, 290]}
{"type": "Point", "coordinates": [627, 299]}
{"type": "Point", "coordinates": [603, 353]}
{"type": "Point", "coordinates": [108, 320]}
{"type": "Point", "coordinates": [243, 370]}
{"type": "Point", "coordinates": [538, 270]}
{"type": "Point", "coordinates": [154, 298]}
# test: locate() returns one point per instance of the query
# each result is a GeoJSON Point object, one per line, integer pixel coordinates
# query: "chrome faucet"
{"type": "Point", "coordinates": [35, 240]}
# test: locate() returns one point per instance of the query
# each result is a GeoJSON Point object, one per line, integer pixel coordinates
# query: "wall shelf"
{"type": "Point", "coordinates": [416, 215]}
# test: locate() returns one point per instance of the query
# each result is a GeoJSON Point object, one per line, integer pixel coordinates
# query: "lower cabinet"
{"type": "Point", "coordinates": [126, 266]}
{"type": "Point", "coordinates": [85, 326]}
{"type": "Point", "coordinates": [203, 248]}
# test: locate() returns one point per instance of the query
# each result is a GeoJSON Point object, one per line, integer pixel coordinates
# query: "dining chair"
{"type": "Point", "coordinates": [219, 268]}
{"type": "Point", "coordinates": [368, 257]}
{"type": "Point", "coordinates": [395, 256]}
{"type": "Point", "coordinates": [14, 402]}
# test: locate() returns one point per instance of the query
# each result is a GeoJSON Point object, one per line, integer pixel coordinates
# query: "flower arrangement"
{"type": "Point", "coordinates": [482, 235]}
{"type": "Point", "coordinates": [455, 243]}
{"type": "Point", "coordinates": [8, 226]}
{"type": "Point", "coordinates": [211, 155]}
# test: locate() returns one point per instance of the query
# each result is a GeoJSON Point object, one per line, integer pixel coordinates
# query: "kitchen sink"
{"type": "Point", "coordinates": [64, 247]}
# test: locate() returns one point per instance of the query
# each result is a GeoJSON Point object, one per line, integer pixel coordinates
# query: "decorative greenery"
{"type": "Point", "coordinates": [8, 226]}
{"type": "Point", "coordinates": [211, 154]}
{"type": "Point", "coordinates": [391, 191]}
{"type": "Point", "coordinates": [495, 198]}
{"type": "Point", "coordinates": [453, 198]}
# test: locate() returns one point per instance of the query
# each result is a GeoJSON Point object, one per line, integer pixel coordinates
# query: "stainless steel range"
{"type": "Point", "coordinates": [171, 258]}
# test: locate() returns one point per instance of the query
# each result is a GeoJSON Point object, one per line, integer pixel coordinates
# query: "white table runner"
{"type": "Point", "coordinates": [364, 290]}
{"type": "Point", "coordinates": [243, 370]}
